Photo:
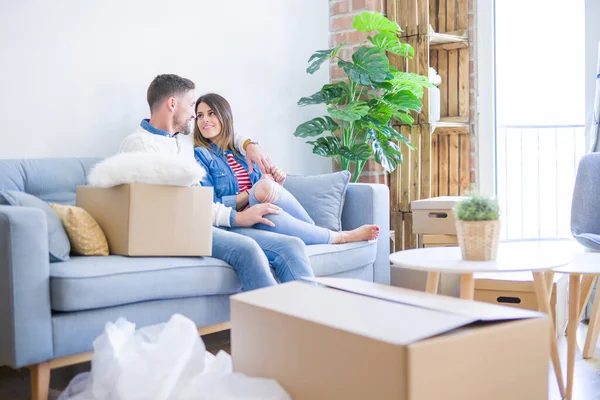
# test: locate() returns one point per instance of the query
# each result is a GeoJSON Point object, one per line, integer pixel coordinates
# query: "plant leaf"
{"type": "Point", "coordinates": [385, 151]}
{"type": "Point", "coordinates": [388, 41]}
{"type": "Point", "coordinates": [370, 65]}
{"type": "Point", "coordinates": [403, 117]}
{"type": "Point", "coordinates": [374, 21]}
{"type": "Point", "coordinates": [381, 111]}
{"type": "Point", "coordinates": [316, 126]}
{"type": "Point", "coordinates": [358, 152]}
{"type": "Point", "coordinates": [404, 100]}
{"type": "Point", "coordinates": [352, 112]}
{"type": "Point", "coordinates": [336, 93]}
{"type": "Point", "coordinates": [409, 81]}
{"type": "Point", "coordinates": [321, 56]}
{"type": "Point", "coordinates": [328, 146]}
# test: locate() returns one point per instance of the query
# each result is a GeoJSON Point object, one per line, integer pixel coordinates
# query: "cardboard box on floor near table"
{"type": "Point", "coordinates": [517, 290]}
{"type": "Point", "coordinates": [359, 340]}
{"type": "Point", "coordinates": [152, 220]}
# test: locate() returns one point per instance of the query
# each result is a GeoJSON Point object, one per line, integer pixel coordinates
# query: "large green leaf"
{"type": "Point", "coordinates": [327, 146]}
{"type": "Point", "coordinates": [404, 100]}
{"type": "Point", "coordinates": [358, 152]}
{"type": "Point", "coordinates": [352, 112]}
{"type": "Point", "coordinates": [403, 117]}
{"type": "Point", "coordinates": [370, 64]}
{"type": "Point", "coordinates": [316, 126]}
{"type": "Point", "coordinates": [385, 151]}
{"type": "Point", "coordinates": [374, 21]}
{"type": "Point", "coordinates": [321, 56]}
{"type": "Point", "coordinates": [388, 41]}
{"type": "Point", "coordinates": [381, 111]}
{"type": "Point", "coordinates": [336, 93]}
{"type": "Point", "coordinates": [409, 81]}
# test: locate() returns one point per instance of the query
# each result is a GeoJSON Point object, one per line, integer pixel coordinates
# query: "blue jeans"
{"type": "Point", "coordinates": [250, 251]}
{"type": "Point", "coordinates": [293, 220]}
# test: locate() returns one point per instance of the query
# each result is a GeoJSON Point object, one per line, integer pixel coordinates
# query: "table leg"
{"type": "Point", "coordinates": [541, 291]}
{"type": "Point", "coordinates": [433, 281]}
{"type": "Point", "coordinates": [549, 276]}
{"type": "Point", "coordinates": [587, 284]}
{"type": "Point", "coordinates": [574, 295]}
{"type": "Point", "coordinates": [593, 328]}
{"type": "Point", "coordinates": [467, 286]}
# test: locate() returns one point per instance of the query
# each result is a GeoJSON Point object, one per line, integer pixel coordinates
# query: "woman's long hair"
{"type": "Point", "coordinates": [222, 110]}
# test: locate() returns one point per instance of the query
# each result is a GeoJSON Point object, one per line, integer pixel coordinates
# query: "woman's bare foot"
{"type": "Point", "coordinates": [365, 232]}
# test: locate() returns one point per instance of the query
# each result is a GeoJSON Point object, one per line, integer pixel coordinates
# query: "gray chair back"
{"type": "Point", "coordinates": [585, 208]}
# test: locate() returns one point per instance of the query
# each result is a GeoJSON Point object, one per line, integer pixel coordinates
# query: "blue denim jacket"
{"type": "Point", "coordinates": [220, 175]}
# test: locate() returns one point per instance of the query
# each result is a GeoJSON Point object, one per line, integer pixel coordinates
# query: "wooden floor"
{"type": "Point", "coordinates": [14, 385]}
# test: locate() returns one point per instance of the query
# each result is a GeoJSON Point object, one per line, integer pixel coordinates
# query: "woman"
{"type": "Point", "coordinates": [227, 172]}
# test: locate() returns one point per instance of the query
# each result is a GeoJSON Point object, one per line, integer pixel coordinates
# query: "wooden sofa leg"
{"type": "Point", "coordinates": [40, 381]}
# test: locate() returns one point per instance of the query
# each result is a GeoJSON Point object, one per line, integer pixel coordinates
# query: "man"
{"type": "Point", "coordinates": [171, 99]}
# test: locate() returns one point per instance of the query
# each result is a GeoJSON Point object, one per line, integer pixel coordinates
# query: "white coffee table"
{"type": "Point", "coordinates": [539, 257]}
{"type": "Point", "coordinates": [583, 266]}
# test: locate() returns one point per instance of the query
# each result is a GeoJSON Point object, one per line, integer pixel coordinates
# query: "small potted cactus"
{"type": "Point", "coordinates": [478, 228]}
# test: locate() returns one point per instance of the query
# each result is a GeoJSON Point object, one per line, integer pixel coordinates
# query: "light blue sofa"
{"type": "Point", "coordinates": [52, 311]}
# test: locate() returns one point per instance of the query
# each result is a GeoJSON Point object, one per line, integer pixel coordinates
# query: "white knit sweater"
{"type": "Point", "coordinates": [143, 141]}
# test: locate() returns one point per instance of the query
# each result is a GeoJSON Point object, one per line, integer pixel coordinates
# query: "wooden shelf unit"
{"type": "Point", "coordinates": [440, 165]}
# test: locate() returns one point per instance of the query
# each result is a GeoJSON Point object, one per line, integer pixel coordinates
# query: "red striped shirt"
{"type": "Point", "coordinates": [241, 174]}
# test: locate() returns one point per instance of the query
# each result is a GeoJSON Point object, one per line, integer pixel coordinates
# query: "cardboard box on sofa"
{"type": "Point", "coordinates": [152, 220]}
{"type": "Point", "coordinates": [517, 290]}
{"type": "Point", "coordinates": [359, 340]}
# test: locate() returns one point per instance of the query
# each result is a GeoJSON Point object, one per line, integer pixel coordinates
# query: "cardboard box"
{"type": "Point", "coordinates": [152, 220]}
{"type": "Point", "coordinates": [517, 290]}
{"type": "Point", "coordinates": [435, 215]}
{"type": "Point", "coordinates": [359, 340]}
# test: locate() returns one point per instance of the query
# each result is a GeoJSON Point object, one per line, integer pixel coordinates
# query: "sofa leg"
{"type": "Point", "coordinates": [40, 381]}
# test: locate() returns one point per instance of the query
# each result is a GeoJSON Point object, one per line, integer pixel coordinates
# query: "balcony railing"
{"type": "Point", "coordinates": [536, 167]}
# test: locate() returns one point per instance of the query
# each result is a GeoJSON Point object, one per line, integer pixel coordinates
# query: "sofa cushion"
{"type": "Point", "coordinates": [322, 196]}
{"type": "Point", "coordinates": [58, 241]}
{"type": "Point", "coordinates": [84, 283]}
{"type": "Point", "coordinates": [85, 235]}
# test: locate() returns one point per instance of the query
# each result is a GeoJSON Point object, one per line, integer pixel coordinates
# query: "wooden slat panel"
{"type": "Point", "coordinates": [405, 173]}
{"type": "Point", "coordinates": [450, 15]}
{"type": "Point", "coordinates": [395, 184]}
{"type": "Point", "coordinates": [435, 165]}
{"type": "Point", "coordinates": [443, 72]}
{"type": "Point", "coordinates": [424, 70]}
{"type": "Point", "coordinates": [423, 10]}
{"type": "Point", "coordinates": [411, 27]}
{"type": "Point", "coordinates": [463, 17]}
{"type": "Point", "coordinates": [463, 82]}
{"type": "Point", "coordinates": [413, 63]}
{"type": "Point", "coordinates": [410, 240]}
{"type": "Point", "coordinates": [433, 14]}
{"type": "Point", "coordinates": [452, 83]}
{"type": "Point", "coordinates": [464, 155]}
{"type": "Point", "coordinates": [441, 16]}
{"type": "Point", "coordinates": [433, 59]}
{"type": "Point", "coordinates": [415, 165]}
{"type": "Point", "coordinates": [425, 162]}
{"type": "Point", "coordinates": [443, 165]}
{"type": "Point", "coordinates": [453, 168]}
{"type": "Point", "coordinates": [391, 11]}
{"type": "Point", "coordinates": [403, 16]}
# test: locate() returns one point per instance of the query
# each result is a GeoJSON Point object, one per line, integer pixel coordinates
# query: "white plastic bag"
{"type": "Point", "coordinates": [163, 362]}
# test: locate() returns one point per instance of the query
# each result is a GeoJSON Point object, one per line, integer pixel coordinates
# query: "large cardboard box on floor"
{"type": "Point", "coordinates": [358, 340]}
{"type": "Point", "coordinates": [152, 220]}
{"type": "Point", "coordinates": [517, 290]}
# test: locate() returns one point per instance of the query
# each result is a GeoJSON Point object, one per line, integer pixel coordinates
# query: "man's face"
{"type": "Point", "coordinates": [183, 118]}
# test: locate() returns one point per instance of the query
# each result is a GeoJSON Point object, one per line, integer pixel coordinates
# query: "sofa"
{"type": "Point", "coordinates": [51, 312]}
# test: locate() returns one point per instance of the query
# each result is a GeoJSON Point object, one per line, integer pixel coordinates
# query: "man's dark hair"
{"type": "Point", "coordinates": [167, 85]}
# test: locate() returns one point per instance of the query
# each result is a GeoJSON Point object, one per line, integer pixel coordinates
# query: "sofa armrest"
{"type": "Point", "coordinates": [25, 316]}
{"type": "Point", "coordinates": [370, 204]}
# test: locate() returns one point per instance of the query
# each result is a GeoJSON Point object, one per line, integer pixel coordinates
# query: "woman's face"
{"type": "Point", "coordinates": [208, 122]}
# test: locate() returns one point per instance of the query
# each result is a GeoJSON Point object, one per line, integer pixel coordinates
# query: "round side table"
{"type": "Point", "coordinates": [539, 257]}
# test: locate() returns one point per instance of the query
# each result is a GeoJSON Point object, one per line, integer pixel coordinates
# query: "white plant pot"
{"type": "Point", "coordinates": [434, 104]}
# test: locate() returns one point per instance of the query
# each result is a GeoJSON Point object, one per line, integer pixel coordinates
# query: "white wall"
{"type": "Point", "coordinates": [73, 74]}
{"type": "Point", "coordinates": [592, 38]}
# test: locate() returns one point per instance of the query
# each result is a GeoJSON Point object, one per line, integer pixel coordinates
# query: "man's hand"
{"type": "Point", "coordinates": [255, 215]}
{"type": "Point", "coordinates": [254, 154]}
{"type": "Point", "coordinates": [279, 175]}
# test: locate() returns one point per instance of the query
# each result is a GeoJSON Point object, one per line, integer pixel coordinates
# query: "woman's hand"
{"type": "Point", "coordinates": [279, 175]}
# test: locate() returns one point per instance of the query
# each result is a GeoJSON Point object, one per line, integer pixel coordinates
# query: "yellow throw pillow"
{"type": "Point", "coordinates": [84, 233]}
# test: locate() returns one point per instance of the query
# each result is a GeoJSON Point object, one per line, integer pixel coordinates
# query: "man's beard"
{"type": "Point", "coordinates": [184, 127]}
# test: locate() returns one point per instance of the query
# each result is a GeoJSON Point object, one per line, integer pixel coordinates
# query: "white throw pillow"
{"type": "Point", "coordinates": [150, 168]}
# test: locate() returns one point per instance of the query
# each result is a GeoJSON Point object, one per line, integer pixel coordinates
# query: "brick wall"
{"type": "Point", "coordinates": [341, 13]}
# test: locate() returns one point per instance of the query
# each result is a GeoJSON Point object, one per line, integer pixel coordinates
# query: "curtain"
{"type": "Point", "coordinates": [595, 128]}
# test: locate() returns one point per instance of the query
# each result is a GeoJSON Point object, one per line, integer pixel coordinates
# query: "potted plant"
{"type": "Point", "coordinates": [362, 107]}
{"type": "Point", "coordinates": [478, 228]}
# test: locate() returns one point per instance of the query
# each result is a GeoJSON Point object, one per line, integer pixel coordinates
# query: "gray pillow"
{"type": "Point", "coordinates": [58, 241]}
{"type": "Point", "coordinates": [322, 196]}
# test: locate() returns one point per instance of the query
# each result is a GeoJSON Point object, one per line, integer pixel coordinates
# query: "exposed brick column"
{"type": "Point", "coordinates": [341, 14]}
